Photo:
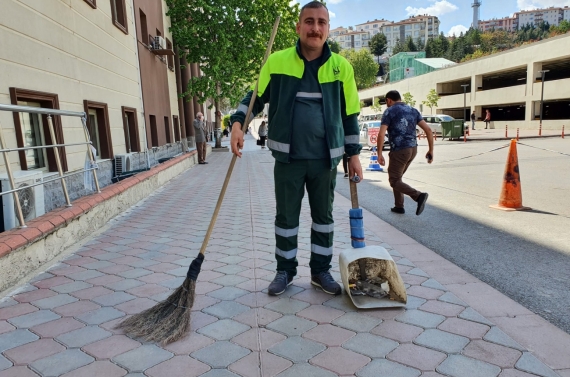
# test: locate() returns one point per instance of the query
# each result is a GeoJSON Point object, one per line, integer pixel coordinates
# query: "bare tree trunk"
{"type": "Point", "coordinates": [218, 117]}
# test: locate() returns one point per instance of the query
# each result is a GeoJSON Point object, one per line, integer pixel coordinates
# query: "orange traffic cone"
{"type": "Point", "coordinates": [511, 194]}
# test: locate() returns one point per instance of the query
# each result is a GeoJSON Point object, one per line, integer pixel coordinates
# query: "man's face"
{"type": "Point", "coordinates": [389, 102]}
{"type": "Point", "coordinates": [313, 27]}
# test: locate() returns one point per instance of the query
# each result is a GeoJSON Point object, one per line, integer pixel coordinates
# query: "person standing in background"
{"type": "Point", "coordinates": [473, 118]}
{"type": "Point", "coordinates": [262, 134]}
{"type": "Point", "coordinates": [199, 128]}
{"type": "Point", "coordinates": [487, 118]}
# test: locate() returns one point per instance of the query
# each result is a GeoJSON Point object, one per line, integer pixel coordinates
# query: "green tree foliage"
{"type": "Point", "coordinates": [408, 99]}
{"type": "Point", "coordinates": [378, 45]}
{"type": "Point", "coordinates": [376, 106]}
{"type": "Point", "coordinates": [398, 47]}
{"type": "Point", "coordinates": [437, 47]}
{"type": "Point", "coordinates": [562, 28]}
{"type": "Point", "coordinates": [431, 100]}
{"type": "Point", "coordinates": [410, 45]}
{"type": "Point", "coordinates": [365, 68]}
{"type": "Point", "coordinates": [228, 38]}
{"type": "Point", "coordinates": [334, 46]}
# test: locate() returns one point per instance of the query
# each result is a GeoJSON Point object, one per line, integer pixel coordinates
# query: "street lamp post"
{"type": "Point", "coordinates": [543, 72]}
{"type": "Point", "coordinates": [464, 101]}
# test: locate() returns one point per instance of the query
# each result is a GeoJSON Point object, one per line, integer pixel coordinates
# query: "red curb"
{"type": "Point", "coordinates": [15, 241]}
{"type": "Point", "coordinates": [4, 249]}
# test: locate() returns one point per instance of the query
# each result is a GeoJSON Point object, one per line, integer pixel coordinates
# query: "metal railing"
{"type": "Point", "coordinates": [62, 176]}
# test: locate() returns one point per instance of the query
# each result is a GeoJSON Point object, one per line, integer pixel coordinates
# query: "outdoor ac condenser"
{"type": "Point", "coordinates": [123, 163]}
{"type": "Point", "coordinates": [31, 198]}
{"type": "Point", "coordinates": [159, 43]}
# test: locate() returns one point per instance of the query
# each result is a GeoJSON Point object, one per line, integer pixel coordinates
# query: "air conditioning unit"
{"type": "Point", "coordinates": [31, 198]}
{"type": "Point", "coordinates": [159, 43]}
{"type": "Point", "coordinates": [123, 163]}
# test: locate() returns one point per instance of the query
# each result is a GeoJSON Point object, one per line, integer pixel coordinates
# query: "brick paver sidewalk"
{"type": "Point", "coordinates": [62, 322]}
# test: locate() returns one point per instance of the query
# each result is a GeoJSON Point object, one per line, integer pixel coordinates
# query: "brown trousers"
{"type": "Point", "coordinates": [399, 163]}
{"type": "Point", "coordinates": [201, 147]}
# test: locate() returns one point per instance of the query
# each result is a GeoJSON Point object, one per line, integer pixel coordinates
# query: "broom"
{"type": "Point", "coordinates": [169, 320]}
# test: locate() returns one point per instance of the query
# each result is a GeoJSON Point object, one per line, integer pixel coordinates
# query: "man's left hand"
{"type": "Point", "coordinates": [355, 168]}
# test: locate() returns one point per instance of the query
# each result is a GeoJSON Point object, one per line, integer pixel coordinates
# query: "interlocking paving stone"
{"type": "Point", "coordinates": [54, 301]}
{"type": "Point", "coordinates": [230, 280]}
{"type": "Point", "coordinates": [307, 370]}
{"type": "Point", "coordinates": [179, 366]}
{"type": "Point", "coordinates": [7, 301]}
{"type": "Point", "coordinates": [4, 363]}
{"type": "Point", "coordinates": [357, 322]}
{"type": "Point", "coordinates": [219, 373]}
{"type": "Point", "coordinates": [98, 265]}
{"type": "Point", "coordinates": [61, 363]}
{"type": "Point", "coordinates": [495, 335]}
{"type": "Point", "coordinates": [258, 339]}
{"type": "Point", "coordinates": [228, 293]}
{"type": "Point", "coordinates": [405, 262]}
{"type": "Point", "coordinates": [415, 302]}
{"type": "Point", "coordinates": [5, 327]}
{"type": "Point", "coordinates": [124, 284]}
{"type": "Point", "coordinates": [472, 315]}
{"type": "Point", "coordinates": [54, 328]}
{"type": "Point", "coordinates": [297, 349]}
{"type": "Point", "coordinates": [72, 287]}
{"type": "Point", "coordinates": [341, 302]}
{"type": "Point", "coordinates": [98, 368]}
{"type": "Point", "coordinates": [331, 336]}
{"type": "Point", "coordinates": [418, 272]}
{"type": "Point", "coordinates": [383, 367]}
{"type": "Point", "coordinates": [529, 363]}
{"type": "Point", "coordinates": [230, 269]}
{"type": "Point", "coordinates": [461, 366]}
{"type": "Point", "coordinates": [84, 275]}
{"type": "Point", "coordinates": [400, 332]}
{"type": "Point", "coordinates": [113, 299]}
{"type": "Point", "coordinates": [173, 283]}
{"type": "Point", "coordinates": [220, 354]}
{"type": "Point", "coordinates": [370, 345]}
{"type": "Point", "coordinates": [142, 358]}
{"type": "Point", "coordinates": [111, 347]}
{"type": "Point", "coordinates": [83, 336]}
{"type": "Point", "coordinates": [107, 256]}
{"type": "Point", "coordinates": [33, 351]}
{"type": "Point", "coordinates": [226, 309]}
{"type": "Point", "coordinates": [340, 361]}
{"type": "Point", "coordinates": [432, 283]}
{"type": "Point", "coordinates": [34, 319]}
{"type": "Point", "coordinates": [442, 341]}
{"type": "Point", "coordinates": [291, 325]}
{"type": "Point", "coordinates": [134, 273]}
{"type": "Point", "coordinates": [234, 259]}
{"type": "Point", "coordinates": [189, 344]}
{"type": "Point", "coordinates": [287, 306]}
{"type": "Point", "coordinates": [419, 318]}
{"type": "Point", "coordinates": [492, 353]}
{"type": "Point", "coordinates": [224, 329]}
{"type": "Point", "coordinates": [100, 316]}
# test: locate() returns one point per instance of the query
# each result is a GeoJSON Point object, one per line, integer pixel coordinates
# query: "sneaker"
{"type": "Point", "coordinates": [345, 175]}
{"type": "Point", "coordinates": [422, 199]}
{"type": "Point", "coordinates": [326, 282]}
{"type": "Point", "coordinates": [280, 283]}
{"type": "Point", "coordinates": [399, 210]}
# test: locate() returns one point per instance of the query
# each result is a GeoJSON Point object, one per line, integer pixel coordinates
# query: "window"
{"type": "Point", "coordinates": [176, 128]}
{"type": "Point", "coordinates": [33, 130]}
{"type": "Point", "coordinates": [170, 58]}
{"type": "Point", "coordinates": [131, 128]}
{"type": "Point", "coordinates": [119, 13]}
{"type": "Point", "coordinates": [92, 3]}
{"type": "Point", "coordinates": [144, 27]}
{"type": "Point", "coordinates": [153, 131]}
{"type": "Point", "coordinates": [167, 130]}
{"type": "Point", "coordinates": [375, 25]}
{"type": "Point", "coordinates": [99, 129]}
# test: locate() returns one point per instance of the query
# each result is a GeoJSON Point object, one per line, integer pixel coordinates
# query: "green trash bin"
{"type": "Point", "coordinates": [452, 129]}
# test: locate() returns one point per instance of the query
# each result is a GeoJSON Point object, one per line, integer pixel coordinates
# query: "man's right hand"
{"type": "Point", "coordinates": [237, 139]}
{"type": "Point", "coordinates": [381, 160]}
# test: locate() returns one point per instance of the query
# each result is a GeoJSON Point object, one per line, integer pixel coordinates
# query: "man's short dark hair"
{"type": "Point", "coordinates": [312, 5]}
{"type": "Point", "coordinates": [394, 95]}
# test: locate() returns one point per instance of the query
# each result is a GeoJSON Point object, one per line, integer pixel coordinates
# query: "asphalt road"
{"type": "Point", "coordinates": [525, 255]}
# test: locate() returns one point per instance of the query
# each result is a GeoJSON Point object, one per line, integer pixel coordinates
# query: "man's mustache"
{"type": "Point", "coordinates": [314, 35]}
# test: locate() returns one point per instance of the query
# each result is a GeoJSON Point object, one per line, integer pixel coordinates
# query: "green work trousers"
{"type": "Point", "coordinates": [291, 179]}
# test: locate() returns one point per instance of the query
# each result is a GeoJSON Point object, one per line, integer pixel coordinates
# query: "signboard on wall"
{"type": "Point", "coordinates": [409, 72]}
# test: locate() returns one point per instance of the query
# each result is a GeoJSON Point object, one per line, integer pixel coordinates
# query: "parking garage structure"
{"type": "Point", "coordinates": [508, 84]}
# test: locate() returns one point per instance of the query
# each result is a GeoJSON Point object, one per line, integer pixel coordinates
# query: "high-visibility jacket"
{"type": "Point", "coordinates": [278, 84]}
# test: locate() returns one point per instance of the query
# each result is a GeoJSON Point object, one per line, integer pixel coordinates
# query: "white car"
{"type": "Point", "coordinates": [369, 132]}
{"type": "Point", "coordinates": [434, 122]}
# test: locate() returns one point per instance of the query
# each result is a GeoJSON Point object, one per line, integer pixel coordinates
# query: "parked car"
{"type": "Point", "coordinates": [434, 122]}
{"type": "Point", "coordinates": [369, 132]}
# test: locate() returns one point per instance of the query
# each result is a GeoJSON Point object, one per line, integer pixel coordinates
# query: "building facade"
{"type": "Point", "coordinates": [100, 57]}
{"type": "Point", "coordinates": [507, 23]}
{"type": "Point", "coordinates": [508, 84]}
{"type": "Point", "coordinates": [552, 15]}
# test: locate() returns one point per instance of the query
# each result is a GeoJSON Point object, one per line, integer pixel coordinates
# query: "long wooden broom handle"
{"type": "Point", "coordinates": [234, 158]}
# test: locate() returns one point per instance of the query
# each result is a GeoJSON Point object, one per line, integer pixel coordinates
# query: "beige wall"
{"type": "Point", "coordinates": [530, 57]}
{"type": "Point", "coordinates": [70, 49]}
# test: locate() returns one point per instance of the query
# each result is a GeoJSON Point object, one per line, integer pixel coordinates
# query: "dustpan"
{"type": "Point", "coordinates": [369, 262]}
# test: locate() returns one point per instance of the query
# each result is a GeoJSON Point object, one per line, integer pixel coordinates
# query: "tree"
{"type": "Point", "coordinates": [377, 106]}
{"type": "Point", "coordinates": [431, 100]}
{"type": "Point", "coordinates": [398, 47]}
{"type": "Point", "coordinates": [365, 68]}
{"type": "Point", "coordinates": [334, 46]}
{"type": "Point", "coordinates": [410, 46]}
{"type": "Point", "coordinates": [378, 45]}
{"type": "Point", "coordinates": [408, 99]}
{"type": "Point", "coordinates": [228, 38]}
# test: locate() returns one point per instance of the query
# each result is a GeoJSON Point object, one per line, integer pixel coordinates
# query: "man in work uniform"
{"type": "Point", "coordinates": [313, 110]}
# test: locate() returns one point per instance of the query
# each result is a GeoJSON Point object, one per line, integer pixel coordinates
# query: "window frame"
{"type": "Point", "coordinates": [153, 132]}
{"type": "Point", "coordinates": [144, 28]}
{"type": "Point", "coordinates": [104, 129]}
{"type": "Point", "coordinates": [46, 100]}
{"type": "Point", "coordinates": [115, 4]}
{"type": "Point", "coordinates": [92, 3]}
{"type": "Point", "coordinates": [128, 134]}
{"type": "Point", "coordinates": [176, 126]}
{"type": "Point", "coordinates": [167, 130]}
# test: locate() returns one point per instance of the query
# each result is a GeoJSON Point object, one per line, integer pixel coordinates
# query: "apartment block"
{"type": "Point", "coordinates": [507, 23]}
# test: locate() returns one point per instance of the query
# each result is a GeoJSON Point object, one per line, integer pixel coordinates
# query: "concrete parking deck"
{"type": "Point", "coordinates": [62, 321]}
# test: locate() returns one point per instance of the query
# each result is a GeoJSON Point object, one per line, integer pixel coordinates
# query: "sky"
{"type": "Point", "coordinates": [455, 15]}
